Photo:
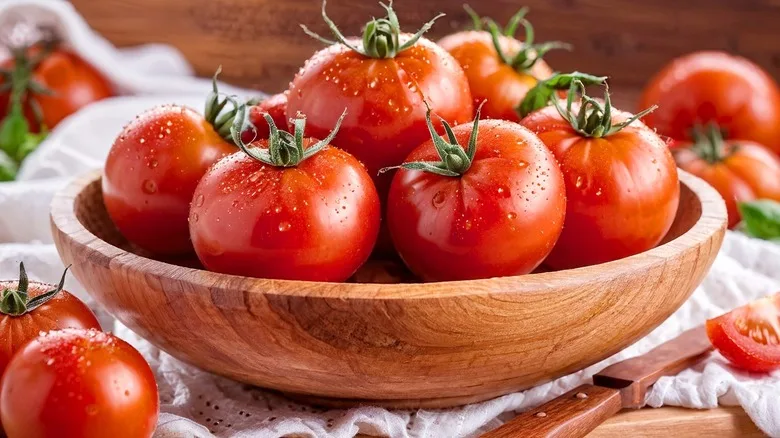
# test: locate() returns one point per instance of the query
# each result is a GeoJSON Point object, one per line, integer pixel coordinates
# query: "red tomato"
{"type": "Point", "coordinates": [23, 318]}
{"type": "Point", "coordinates": [498, 216]}
{"type": "Point", "coordinates": [313, 218]}
{"type": "Point", "coordinates": [706, 87]}
{"type": "Point", "coordinates": [739, 170]}
{"type": "Point", "coordinates": [152, 171]}
{"type": "Point", "coordinates": [749, 336]}
{"type": "Point", "coordinates": [621, 187]}
{"type": "Point", "coordinates": [383, 87]}
{"type": "Point", "coordinates": [74, 83]}
{"type": "Point", "coordinates": [500, 76]}
{"type": "Point", "coordinates": [77, 383]}
{"type": "Point", "coordinates": [276, 106]}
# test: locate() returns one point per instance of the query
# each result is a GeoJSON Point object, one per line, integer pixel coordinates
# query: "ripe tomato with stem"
{"type": "Point", "coordinates": [492, 208]}
{"type": "Point", "coordinates": [499, 68]}
{"type": "Point", "coordinates": [154, 166]}
{"type": "Point", "coordinates": [740, 170]}
{"type": "Point", "coordinates": [621, 180]}
{"type": "Point", "coordinates": [285, 207]}
{"type": "Point", "coordinates": [382, 80]}
{"type": "Point", "coordinates": [29, 308]}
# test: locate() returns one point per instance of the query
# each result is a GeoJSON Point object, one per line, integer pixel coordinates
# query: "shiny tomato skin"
{"type": "Point", "coordinates": [61, 311]}
{"type": "Point", "coordinates": [317, 221]}
{"type": "Point", "coordinates": [78, 384]}
{"type": "Point", "coordinates": [706, 87]}
{"type": "Point", "coordinates": [748, 172]}
{"type": "Point", "coordinates": [748, 336]}
{"type": "Point", "coordinates": [502, 217]}
{"type": "Point", "coordinates": [276, 107]}
{"type": "Point", "coordinates": [151, 173]}
{"type": "Point", "coordinates": [384, 99]}
{"type": "Point", "coordinates": [490, 79]}
{"type": "Point", "coordinates": [74, 84]}
{"type": "Point", "coordinates": [622, 191]}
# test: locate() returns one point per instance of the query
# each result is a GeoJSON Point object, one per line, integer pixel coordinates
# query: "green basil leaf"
{"type": "Point", "coordinates": [761, 219]}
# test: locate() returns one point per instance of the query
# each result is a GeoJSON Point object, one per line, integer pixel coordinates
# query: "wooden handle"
{"type": "Point", "coordinates": [571, 415]}
{"type": "Point", "coordinates": [634, 376]}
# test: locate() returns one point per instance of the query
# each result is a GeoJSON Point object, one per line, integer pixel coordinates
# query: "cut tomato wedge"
{"type": "Point", "coordinates": [749, 336]}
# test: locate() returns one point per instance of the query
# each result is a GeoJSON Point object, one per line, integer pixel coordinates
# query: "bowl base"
{"type": "Point", "coordinates": [427, 403]}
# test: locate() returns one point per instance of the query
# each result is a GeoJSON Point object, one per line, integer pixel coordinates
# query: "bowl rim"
{"type": "Point", "coordinates": [712, 220]}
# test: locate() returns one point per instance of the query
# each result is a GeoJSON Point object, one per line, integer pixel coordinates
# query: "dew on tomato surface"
{"type": "Point", "coordinates": [149, 187]}
{"type": "Point", "coordinates": [511, 215]}
{"type": "Point", "coordinates": [522, 164]}
{"type": "Point", "coordinates": [598, 192]}
{"type": "Point", "coordinates": [284, 226]}
{"type": "Point", "coordinates": [277, 209]}
{"type": "Point", "coordinates": [92, 410]}
{"type": "Point", "coordinates": [153, 163]}
{"type": "Point", "coordinates": [142, 141]}
{"type": "Point", "coordinates": [438, 199]}
{"type": "Point", "coordinates": [199, 200]}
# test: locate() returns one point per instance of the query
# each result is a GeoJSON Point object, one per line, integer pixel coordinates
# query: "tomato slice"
{"type": "Point", "coordinates": [749, 336]}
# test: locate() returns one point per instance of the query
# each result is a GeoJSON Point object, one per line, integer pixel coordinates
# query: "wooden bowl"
{"type": "Point", "coordinates": [398, 345]}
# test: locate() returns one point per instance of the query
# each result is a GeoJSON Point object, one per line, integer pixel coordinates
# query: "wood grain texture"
{"type": "Point", "coordinates": [410, 344]}
{"type": "Point", "coordinates": [572, 415]}
{"type": "Point", "coordinates": [260, 44]}
{"type": "Point", "coordinates": [724, 422]}
{"type": "Point", "coordinates": [634, 376]}
{"type": "Point", "coordinates": [620, 385]}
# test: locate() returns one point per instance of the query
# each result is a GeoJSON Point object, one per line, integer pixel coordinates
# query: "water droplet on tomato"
{"type": "Point", "coordinates": [503, 191]}
{"type": "Point", "coordinates": [511, 215]}
{"type": "Point", "coordinates": [578, 183]}
{"type": "Point", "coordinates": [127, 393]}
{"type": "Point", "coordinates": [277, 209]}
{"type": "Point", "coordinates": [438, 199]}
{"type": "Point", "coordinates": [522, 164]}
{"type": "Point", "coordinates": [598, 192]}
{"type": "Point", "coordinates": [254, 177]}
{"type": "Point", "coordinates": [92, 409]}
{"type": "Point", "coordinates": [195, 217]}
{"type": "Point", "coordinates": [284, 226]}
{"type": "Point", "coordinates": [199, 201]}
{"type": "Point", "coordinates": [467, 224]}
{"type": "Point", "coordinates": [142, 141]}
{"type": "Point", "coordinates": [373, 83]}
{"type": "Point", "coordinates": [149, 187]}
{"type": "Point", "coordinates": [153, 164]}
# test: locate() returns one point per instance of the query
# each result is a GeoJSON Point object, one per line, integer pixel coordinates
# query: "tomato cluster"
{"type": "Point", "coordinates": [40, 85]}
{"type": "Point", "coordinates": [289, 189]}
{"type": "Point", "coordinates": [703, 96]}
{"type": "Point", "coordinates": [61, 376]}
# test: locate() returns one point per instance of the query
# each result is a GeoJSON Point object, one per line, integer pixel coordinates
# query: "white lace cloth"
{"type": "Point", "coordinates": [199, 404]}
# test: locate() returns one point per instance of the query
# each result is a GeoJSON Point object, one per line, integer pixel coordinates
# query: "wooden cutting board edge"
{"type": "Point", "coordinates": [722, 422]}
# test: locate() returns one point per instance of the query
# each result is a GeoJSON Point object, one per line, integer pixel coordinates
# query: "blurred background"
{"type": "Point", "coordinates": [260, 44]}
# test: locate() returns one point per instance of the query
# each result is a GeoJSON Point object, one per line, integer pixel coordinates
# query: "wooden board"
{"type": "Point", "coordinates": [724, 422]}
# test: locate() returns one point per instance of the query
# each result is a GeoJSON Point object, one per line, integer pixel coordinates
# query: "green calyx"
{"type": "Point", "coordinates": [709, 145]}
{"type": "Point", "coordinates": [16, 302]}
{"type": "Point", "coordinates": [381, 37]}
{"type": "Point", "coordinates": [530, 53]}
{"type": "Point", "coordinates": [544, 91]}
{"type": "Point", "coordinates": [215, 104]}
{"type": "Point", "coordinates": [455, 161]}
{"type": "Point", "coordinates": [594, 119]}
{"type": "Point", "coordinates": [478, 22]}
{"type": "Point", "coordinates": [284, 149]}
{"type": "Point", "coordinates": [16, 139]}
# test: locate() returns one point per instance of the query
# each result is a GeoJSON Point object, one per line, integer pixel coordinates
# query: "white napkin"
{"type": "Point", "coordinates": [199, 404]}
